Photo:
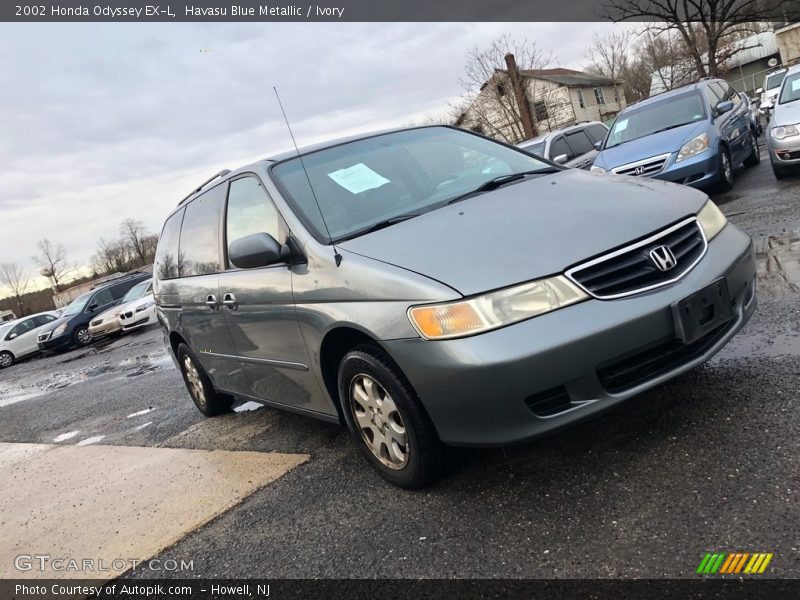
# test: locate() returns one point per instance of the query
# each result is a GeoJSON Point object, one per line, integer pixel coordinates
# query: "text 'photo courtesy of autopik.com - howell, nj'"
{"type": "Point", "coordinates": [343, 299]}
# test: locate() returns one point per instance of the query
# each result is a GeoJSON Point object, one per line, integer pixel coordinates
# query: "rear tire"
{"type": "Point", "coordinates": [755, 156]}
{"type": "Point", "coordinates": [202, 391]}
{"type": "Point", "coordinates": [391, 428]}
{"type": "Point", "coordinates": [6, 359]}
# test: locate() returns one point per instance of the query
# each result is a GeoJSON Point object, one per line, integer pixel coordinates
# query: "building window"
{"type": "Point", "coordinates": [540, 109]}
{"type": "Point", "coordinates": [616, 95]}
{"type": "Point", "coordinates": [501, 89]}
{"type": "Point", "coordinates": [581, 101]}
{"type": "Point", "coordinates": [598, 95]}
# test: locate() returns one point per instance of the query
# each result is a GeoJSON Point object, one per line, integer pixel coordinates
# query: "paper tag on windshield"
{"type": "Point", "coordinates": [358, 178]}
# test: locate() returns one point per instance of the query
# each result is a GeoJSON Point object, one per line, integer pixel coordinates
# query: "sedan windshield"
{"type": "Point", "coordinates": [774, 80]}
{"type": "Point", "coordinates": [659, 116]}
{"type": "Point", "coordinates": [384, 179]}
{"type": "Point", "coordinates": [77, 305]}
{"type": "Point", "coordinates": [791, 89]}
{"type": "Point", "coordinates": [136, 292]}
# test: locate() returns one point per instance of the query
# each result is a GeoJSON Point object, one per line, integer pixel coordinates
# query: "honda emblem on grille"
{"type": "Point", "coordinates": [639, 170]}
{"type": "Point", "coordinates": [663, 258]}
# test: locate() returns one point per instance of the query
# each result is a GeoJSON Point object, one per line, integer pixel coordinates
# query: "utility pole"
{"type": "Point", "coordinates": [521, 97]}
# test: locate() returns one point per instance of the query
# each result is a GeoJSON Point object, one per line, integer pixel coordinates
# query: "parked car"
{"type": "Point", "coordinates": [783, 129]}
{"type": "Point", "coordinates": [380, 282]}
{"type": "Point", "coordinates": [574, 146]}
{"type": "Point", "coordinates": [754, 111]}
{"type": "Point", "coordinates": [769, 93]}
{"type": "Point", "coordinates": [138, 308]}
{"type": "Point", "coordinates": [694, 135]}
{"type": "Point", "coordinates": [72, 327]}
{"type": "Point", "coordinates": [18, 337]}
{"type": "Point", "coordinates": [109, 322]}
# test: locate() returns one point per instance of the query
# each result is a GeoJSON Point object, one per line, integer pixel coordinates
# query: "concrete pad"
{"type": "Point", "coordinates": [106, 503]}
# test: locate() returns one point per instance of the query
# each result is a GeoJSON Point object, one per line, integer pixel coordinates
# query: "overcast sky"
{"type": "Point", "coordinates": [101, 122]}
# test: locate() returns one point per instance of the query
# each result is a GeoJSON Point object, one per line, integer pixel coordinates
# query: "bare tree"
{"type": "Point", "coordinates": [490, 103]}
{"type": "Point", "coordinates": [52, 262]}
{"type": "Point", "coordinates": [711, 31]}
{"type": "Point", "coordinates": [14, 278]}
{"type": "Point", "coordinates": [112, 256]}
{"type": "Point", "coordinates": [134, 233]}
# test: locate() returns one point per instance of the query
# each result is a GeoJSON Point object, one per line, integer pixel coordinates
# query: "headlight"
{"type": "Point", "coordinates": [493, 310]}
{"type": "Point", "coordinates": [60, 329]}
{"type": "Point", "coordinates": [711, 219]}
{"type": "Point", "coordinates": [693, 147]}
{"type": "Point", "coordinates": [784, 131]}
{"type": "Point", "coordinates": [596, 169]}
{"type": "Point", "coordinates": [142, 307]}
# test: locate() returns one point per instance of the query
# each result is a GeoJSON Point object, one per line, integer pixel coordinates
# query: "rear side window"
{"type": "Point", "coordinates": [579, 142]}
{"type": "Point", "coordinates": [44, 319]}
{"type": "Point", "coordinates": [199, 245]}
{"type": "Point", "coordinates": [559, 147]}
{"type": "Point", "coordinates": [250, 211]}
{"type": "Point", "coordinates": [22, 328]}
{"type": "Point", "coordinates": [102, 298]}
{"type": "Point", "coordinates": [596, 133]}
{"type": "Point", "coordinates": [118, 291]}
{"type": "Point", "coordinates": [166, 263]}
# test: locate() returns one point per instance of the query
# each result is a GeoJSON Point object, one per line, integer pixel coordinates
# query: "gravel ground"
{"type": "Point", "coordinates": [707, 462]}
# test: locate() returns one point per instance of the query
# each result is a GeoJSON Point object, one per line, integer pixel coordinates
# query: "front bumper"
{"type": "Point", "coordinates": [698, 171]}
{"type": "Point", "coordinates": [107, 328]}
{"type": "Point", "coordinates": [477, 390]}
{"type": "Point", "coordinates": [132, 320]}
{"type": "Point", "coordinates": [55, 344]}
{"type": "Point", "coordinates": [785, 151]}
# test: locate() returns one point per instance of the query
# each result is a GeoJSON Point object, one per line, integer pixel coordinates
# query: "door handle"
{"type": "Point", "coordinates": [229, 300]}
{"type": "Point", "coordinates": [211, 302]}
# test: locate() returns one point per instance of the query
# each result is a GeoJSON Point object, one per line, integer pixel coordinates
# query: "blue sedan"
{"type": "Point", "coordinates": [694, 135]}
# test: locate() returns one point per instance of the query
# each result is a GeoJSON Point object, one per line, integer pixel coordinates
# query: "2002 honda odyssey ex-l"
{"type": "Point", "coordinates": [430, 286]}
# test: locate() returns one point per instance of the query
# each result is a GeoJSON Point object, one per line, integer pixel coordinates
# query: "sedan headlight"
{"type": "Point", "coordinates": [60, 329]}
{"type": "Point", "coordinates": [711, 219]}
{"type": "Point", "coordinates": [142, 307]}
{"type": "Point", "coordinates": [493, 310]}
{"type": "Point", "coordinates": [784, 131]}
{"type": "Point", "coordinates": [693, 147]}
{"type": "Point", "coordinates": [596, 169]}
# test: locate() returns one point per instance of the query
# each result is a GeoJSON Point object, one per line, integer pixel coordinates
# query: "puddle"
{"type": "Point", "coordinates": [91, 440]}
{"type": "Point", "coordinates": [65, 436]}
{"type": "Point", "coordinates": [248, 406]}
{"type": "Point", "coordinates": [778, 264]}
{"type": "Point", "coordinates": [778, 345]}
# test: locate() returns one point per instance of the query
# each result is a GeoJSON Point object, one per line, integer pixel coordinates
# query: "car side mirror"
{"type": "Point", "coordinates": [560, 159]}
{"type": "Point", "coordinates": [724, 106]}
{"type": "Point", "coordinates": [11, 336]}
{"type": "Point", "coordinates": [256, 250]}
{"type": "Point", "coordinates": [760, 91]}
{"type": "Point", "coordinates": [92, 307]}
{"type": "Point", "coordinates": [598, 144]}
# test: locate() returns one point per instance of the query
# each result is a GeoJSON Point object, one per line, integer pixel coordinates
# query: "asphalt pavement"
{"type": "Point", "coordinates": [707, 462]}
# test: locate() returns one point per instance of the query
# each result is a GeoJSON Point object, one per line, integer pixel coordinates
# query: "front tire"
{"type": "Point", "coordinates": [779, 172]}
{"type": "Point", "coordinates": [202, 391]}
{"type": "Point", "coordinates": [6, 359]}
{"type": "Point", "coordinates": [388, 422]}
{"type": "Point", "coordinates": [82, 337]}
{"type": "Point", "coordinates": [725, 182]}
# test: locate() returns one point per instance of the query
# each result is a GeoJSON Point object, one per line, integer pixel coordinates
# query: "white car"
{"type": "Point", "coordinates": [18, 337]}
{"type": "Point", "coordinates": [141, 311]}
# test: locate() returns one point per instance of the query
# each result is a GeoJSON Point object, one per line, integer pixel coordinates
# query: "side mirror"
{"type": "Point", "coordinates": [256, 250]}
{"type": "Point", "coordinates": [560, 159]}
{"type": "Point", "coordinates": [92, 307]}
{"type": "Point", "coordinates": [724, 106]}
{"type": "Point", "coordinates": [11, 336]}
{"type": "Point", "coordinates": [598, 144]}
{"type": "Point", "coordinates": [760, 91]}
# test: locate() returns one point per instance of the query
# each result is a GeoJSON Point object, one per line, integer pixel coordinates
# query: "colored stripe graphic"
{"type": "Point", "coordinates": [735, 562]}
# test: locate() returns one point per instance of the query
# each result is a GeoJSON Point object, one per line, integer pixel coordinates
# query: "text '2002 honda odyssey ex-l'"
{"type": "Point", "coordinates": [430, 286]}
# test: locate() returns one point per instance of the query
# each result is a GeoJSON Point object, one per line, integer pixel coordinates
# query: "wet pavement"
{"type": "Point", "coordinates": [707, 462]}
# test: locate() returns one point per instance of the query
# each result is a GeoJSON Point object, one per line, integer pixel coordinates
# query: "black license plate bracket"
{"type": "Point", "coordinates": [702, 312]}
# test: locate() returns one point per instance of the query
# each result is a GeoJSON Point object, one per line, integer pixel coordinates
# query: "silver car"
{"type": "Point", "coordinates": [783, 130]}
{"type": "Point", "coordinates": [574, 146]}
{"type": "Point", "coordinates": [431, 287]}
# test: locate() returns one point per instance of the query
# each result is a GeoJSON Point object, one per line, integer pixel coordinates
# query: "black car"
{"type": "Point", "coordinates": [72, 328]}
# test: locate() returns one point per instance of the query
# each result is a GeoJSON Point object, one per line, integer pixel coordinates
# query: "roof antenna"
{"type": "Point", "coordinates": [337, 257]}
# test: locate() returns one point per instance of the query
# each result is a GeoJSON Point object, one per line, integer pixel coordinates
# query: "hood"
{"type": "Point", "coordinates": [134, 303]}
{"type": "Point", "coordinates": [787, 114]}
{"type": "Point", "coordinates": [53, 324]}
{"type": "Point", "coordinates": [111, 313]}
{"type": "Point", "coordinates": [527, 230]}
{"type": "Point", "coordinates": [649, 145]}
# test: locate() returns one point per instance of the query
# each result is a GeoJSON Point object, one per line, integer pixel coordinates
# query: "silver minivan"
{"type": "Point", "coordinates": [430, 287]}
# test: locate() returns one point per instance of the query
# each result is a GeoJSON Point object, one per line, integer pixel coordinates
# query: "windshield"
{"type": "Point", "coordinates": [4, 329]}
{"type": "Point", "coordinates": [659, 116]}
{"type": "Point", "coordinates": [774, 80]}
{"type": "Point", "coordinates": [370, 181]}
{"type": "Point", "coordinates": [791, 89]}
{"type": "Point", "coordinates": [76, 305]}
{"type": "Point", "coordinates": [136, 292]}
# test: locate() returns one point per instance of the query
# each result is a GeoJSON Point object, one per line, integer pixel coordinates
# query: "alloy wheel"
{"type": "Point", "coordinates": [5, 360]}
{"type": "Point", "coordinates": [727, 171]}
{"type": "Point", "coordinates": [83, 335]}
{"type": "Point", "coordinates": [379, 421]}
{"type": "Point", "coordinates": [195, 383]}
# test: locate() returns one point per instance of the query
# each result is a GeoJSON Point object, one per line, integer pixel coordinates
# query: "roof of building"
{"type": "Point", "coordinates": [569, 77]}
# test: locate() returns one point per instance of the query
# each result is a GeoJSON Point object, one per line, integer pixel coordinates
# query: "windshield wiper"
{"type": "Point", "coordinates": [379, 225]}
{"type": "Point", "coordinates": [670, 127]}
{"type": "Point", "coordinates": [493, 184]}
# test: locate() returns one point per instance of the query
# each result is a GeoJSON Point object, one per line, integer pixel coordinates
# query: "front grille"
{"type": "Point", "coordinates": [127, 315]}
{"type": "Point", "coordinates": [643, 168]}
{"type": "Point", "coordinates": [791, 155]}
{"type": "Point", "coordinates": [626, 373]}
{"type": "Point", "coordinates": [631, 269]}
